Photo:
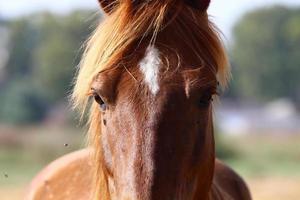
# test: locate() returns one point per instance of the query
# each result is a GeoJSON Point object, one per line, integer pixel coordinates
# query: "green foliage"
{"type": "Point", "coordinates": [58, 53]}
{"type": "Point", "coordinates": [22, 41]}
{"type": "Point", "coordinates": [265, 54]}
{"type": "Point", "coordinates": [44, 50]}
{"type": "Point", "coordinates": [20, 103]}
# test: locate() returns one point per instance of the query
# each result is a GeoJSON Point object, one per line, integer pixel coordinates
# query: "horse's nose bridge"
{"type": "Point", "coordinates": [144, 162]}
{"type": "Point", "coordinates": [156, 144]}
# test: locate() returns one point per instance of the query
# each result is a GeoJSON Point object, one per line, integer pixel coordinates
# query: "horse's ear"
{"type": "Point", "coordinates": [108, 5]}
{"type": "Point", "coordinates": [199, 4]}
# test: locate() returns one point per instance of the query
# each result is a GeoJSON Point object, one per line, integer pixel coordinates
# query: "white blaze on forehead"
{"type": "Point", "coordinates": [149, 66]}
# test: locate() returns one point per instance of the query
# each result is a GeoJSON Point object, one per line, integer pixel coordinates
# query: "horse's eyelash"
{"type": "Point", "coordinates": [214, 91]}
{"type": "Point", "coordinates": [91, 93]}
{"type": "Point", "coordinates": [217, 93]}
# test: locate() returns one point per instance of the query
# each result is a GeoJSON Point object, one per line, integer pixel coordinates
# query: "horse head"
{"type": "Point", "coordinates": [153, 68]}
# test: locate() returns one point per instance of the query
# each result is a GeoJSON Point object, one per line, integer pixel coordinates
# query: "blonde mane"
{"type": "Point", "coordinates": [125, 26]}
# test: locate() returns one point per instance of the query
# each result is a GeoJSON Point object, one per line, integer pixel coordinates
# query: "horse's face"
{"type": "Point", "coordinates": [156, 128]}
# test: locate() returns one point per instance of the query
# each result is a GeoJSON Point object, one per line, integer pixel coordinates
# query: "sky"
{"type": "Point", "coordinates": [225, 15]}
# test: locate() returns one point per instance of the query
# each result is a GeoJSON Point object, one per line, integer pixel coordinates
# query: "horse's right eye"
{"type": "Point", "coordinates": [100, 101]}
{"type": "Point", "coordinates": [205, 100]}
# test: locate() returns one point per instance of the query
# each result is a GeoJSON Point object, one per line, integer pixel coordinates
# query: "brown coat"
{"type": "Point", "coordinates": [70, 177]}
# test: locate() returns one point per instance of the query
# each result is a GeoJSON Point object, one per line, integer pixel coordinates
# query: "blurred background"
{"type": "Point", "coordinates": [257, 120]}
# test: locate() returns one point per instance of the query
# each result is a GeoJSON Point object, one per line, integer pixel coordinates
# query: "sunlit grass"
{"type": "Point", "coordinates": [270, 164]}
{"type": "Point", "coordinates": [267, 155]}
{"type": "Point", "coordinates": [25, 154]}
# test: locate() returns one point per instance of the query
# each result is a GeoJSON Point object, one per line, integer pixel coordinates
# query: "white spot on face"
{"type": "Point", "coordinates": [149, 66]}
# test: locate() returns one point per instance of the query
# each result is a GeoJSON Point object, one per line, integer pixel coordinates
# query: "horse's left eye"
{"type": "Point", "coordinates": [205, 99]}
{"type": "Point", "coordinates": [100, 101]}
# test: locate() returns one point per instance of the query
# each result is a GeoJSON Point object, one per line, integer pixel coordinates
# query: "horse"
{"type": "Point", "coordinates": [148, 76]}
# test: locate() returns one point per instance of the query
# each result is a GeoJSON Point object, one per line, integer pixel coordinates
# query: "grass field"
{"type": "Point", "coordinates": [270, 164]}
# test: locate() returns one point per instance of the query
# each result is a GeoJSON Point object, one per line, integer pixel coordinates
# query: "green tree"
{"type": "Point", "coordinates": [20, 103]}
{"type": "Point", "coordinates": [266, 54]}
{"type": "Point", "coordinates": [44, 50]}
{"type": "Point", "coordinates": [22, 41]}
{"type": "Point", "coordinates": [58, 52]}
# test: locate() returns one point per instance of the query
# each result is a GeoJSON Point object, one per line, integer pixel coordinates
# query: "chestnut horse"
{"type": "Point", "coordinates": [152, 68]}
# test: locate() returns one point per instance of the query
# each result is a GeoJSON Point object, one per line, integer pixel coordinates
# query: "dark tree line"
{"type": "Point", "coordinates": [44, 50]}
{"type": "Point", "coordinates": [265, 54]}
